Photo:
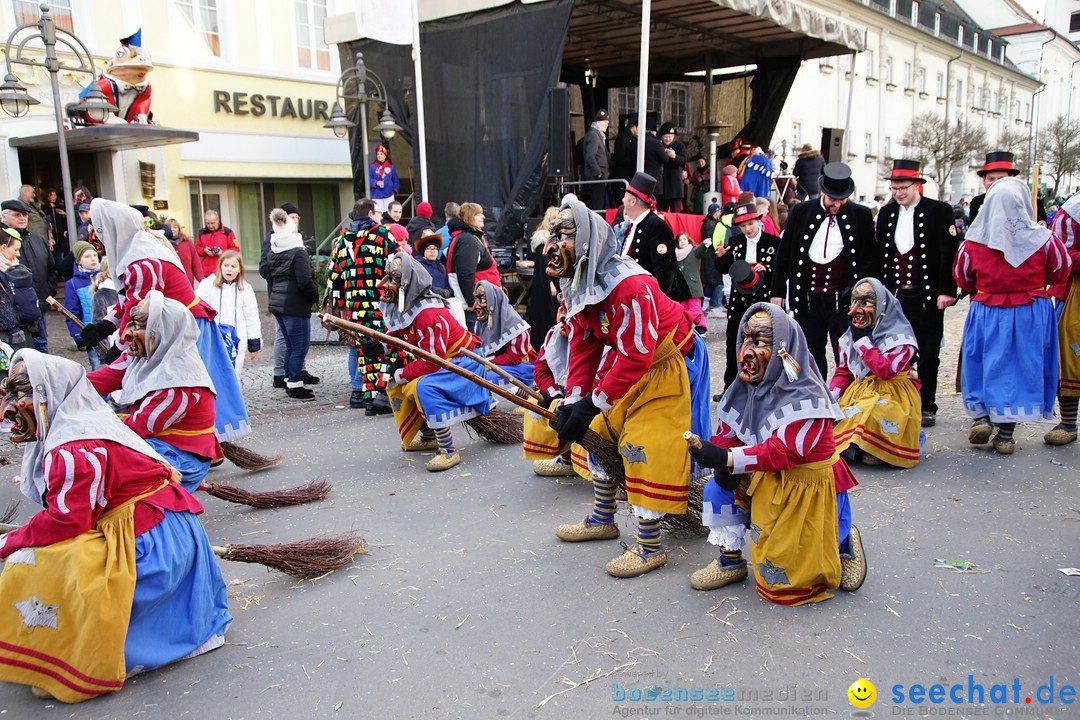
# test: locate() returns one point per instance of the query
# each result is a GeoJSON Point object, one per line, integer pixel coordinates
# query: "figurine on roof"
{"type": "Point", "coordinates": [125, 84]}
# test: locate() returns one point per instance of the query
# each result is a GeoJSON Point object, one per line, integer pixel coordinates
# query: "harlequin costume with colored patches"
{"type": "Point", "coordinates": [116, 557]}
{"type": "Point", "coordinates": [1067, 229]}
{"type": "Point", "coordinates": [426, 399]}
{"type": "Point", "coordinates": [143, 262]}
{"type": "Point", "coordinates": [1010, 344]}
{"type": "Point", "coordinates": [776, 423]}
{"type": "Point", "coordinates": [643, 393]}
{"type": "Point", "coordinates": [161, 378]}
{"type": "Point", "coordinates": [504, 335]}
{"type": "Point", "coordinates": [873, 384]}
{"type": "Point", "coordinates": [356, 266]}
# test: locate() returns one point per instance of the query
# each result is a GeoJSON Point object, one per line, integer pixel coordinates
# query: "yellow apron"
{"type": "Point", "coordinates": [793, 534]}
{"type": "Point", "coordinates": [648, 424]}
{"type": "Point", "coordinates": [883, 418]}
{"type": "Point", "coordinates": [1069, 342]}
{"type": "Point", "coordinates": [541, 442]}
{"type": "Point", "coordinates": [403, 399]}
{"type": "Point", "coordinates": [66, 606]}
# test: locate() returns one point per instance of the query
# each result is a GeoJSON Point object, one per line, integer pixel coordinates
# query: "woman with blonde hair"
{"type": "Point", "coordinates": [468, 260]}
{"type": "Point", "coordinates": [238, 310]}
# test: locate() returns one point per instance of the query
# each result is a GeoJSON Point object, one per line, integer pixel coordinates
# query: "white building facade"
{"type": "Point", "coordinates": [920, 58]}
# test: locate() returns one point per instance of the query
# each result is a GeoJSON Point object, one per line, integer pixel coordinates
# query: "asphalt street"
{"type": "Point", "coordinates": [466, 605]}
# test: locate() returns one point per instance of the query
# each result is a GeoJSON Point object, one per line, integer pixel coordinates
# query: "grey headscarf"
{"type": "Point", "coordinates": [120, 229]}
{"type": "Point", "coordinates": [175, 361]}
{"type": "Point", "coordinates": [414, 294]}
{"type": "Point", "coordinates": [598, 267]}
{"type": "Point", "coordinates": [73, 411]}
{"type": "Point", "coordinates": [1005, 223]}
{"type": "Point", "coordinates": [755, 412]}
{"type": "Point", "coordinates": [891, 329]}
{"type": "Point", "coordinates": [503, 323]}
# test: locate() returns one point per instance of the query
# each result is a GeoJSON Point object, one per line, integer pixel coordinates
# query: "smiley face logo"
{"type": "Point", "coordinates": [862, 693]}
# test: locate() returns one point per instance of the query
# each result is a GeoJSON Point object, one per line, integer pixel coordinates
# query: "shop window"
{"type": "Point", "coordinates": [311, 51]}
{"type": "Point", "coordinates": [29, 11]}
{"type": "Point", "coordinates": [203, 16]}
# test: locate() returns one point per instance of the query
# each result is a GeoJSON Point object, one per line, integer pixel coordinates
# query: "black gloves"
{"type": "Point", "coordinates": [372, 349]}
{"type": "Point", "coordinates": [94, 333]}
{"type": "Point", "coordinates": [545, 399]}
{"type": "Point", "coordinates": [726, 480]}
{"type": "Point", "coordinates": [709, 455]}
{"type": "Point", "coordinates": [254, 345]}
{"type": "Point", "coordinates": [574, 420]}
{"type": "Point", "coordinates": [81, 346]}
{"type": "Point", "coordinates": [444, 292]}
{"type": "Point", "coordinates": [858, 334]}
{"type": "Point", "coordinates": [112, 355]}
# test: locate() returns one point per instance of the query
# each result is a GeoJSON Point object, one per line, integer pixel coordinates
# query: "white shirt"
{"type": "Point", "coordinates": [629, 241]}
{"type": "Point", "coordinates": [828, 242]}
{"type": "Point", "coordinates": [905, 229]}
{"type": "Point", "coordinates": [751, 247]}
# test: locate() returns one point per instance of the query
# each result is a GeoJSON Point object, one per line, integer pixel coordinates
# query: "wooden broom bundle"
{"type": "Point", "coordinates": [315, 490]}
{"type": "Point", "coordinates": [12, 509]}
{"type": "Point", "coordinates": [604, 451]}
{"type": "Point", "coordinates": [248, 459]}
{"type": "Point", "coordinates": [499, 427]}
{"type": "Point", "coordinates": [303, 559]}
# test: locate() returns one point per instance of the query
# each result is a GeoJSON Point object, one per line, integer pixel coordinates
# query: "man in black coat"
{"type": "Point", "coordinates": [624, 159]}
{"type": "Point", "coordinates": [35, 254]}
{"type": "Point", "coordinates": [671, 192]}
{"type": "Point", "coordinates": [654, 154]}
{"type": "Point", "coordinates": [918, 242]}
{"type": "Point", "coordinates": [596, 163]}
{"type": "Point", "coordinates": [998, 164]}
{"type": "Point", "coordinates": [749, 259]}
{"type": "Point", "coordinates": [828, 244]}
{"type": "Point", "coordinates": [649, 240]}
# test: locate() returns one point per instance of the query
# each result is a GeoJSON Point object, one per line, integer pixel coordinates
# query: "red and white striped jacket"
{"type": "Point", "coordinates": [148, 274]}
{"type": "Point", "coordinates": [1067, 230]}
{"type": "Point", "coordinates": [992, 281]}
{"type": "Point", "coordinates": [885, 365]}
{"type": "Point", "coordinates": [434, 330]}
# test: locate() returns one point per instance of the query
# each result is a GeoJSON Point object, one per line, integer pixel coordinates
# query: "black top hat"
{"type": "Point", "coordinates": [601, 114]}
{"type": "Point", "coordinates": [906, 170]}
{"type": "Point", "coordinates": [745, 213]}
{"type": "Point", "coordinates": [836, 181]}
{"type": "Point", "coordinates": [642, 187]}
{"type": "Point", "coordinates": [667, 128]}
{"type": "Point", "coordinates": [745, 278]}
{"type": "Point", "coordinates": [998, 161]}
{"type": "Point", "coordinates": [15, 205]}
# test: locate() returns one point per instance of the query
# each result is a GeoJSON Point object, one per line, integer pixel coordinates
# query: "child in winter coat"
{"type": "Point", "coordinates": [103, 297]}
{"type": "Point", "coordinates": [77, 295]}
{"type": "Point", "coordinates": [689, 257]}
{"type": "Point", "coordinates": [238, 311]}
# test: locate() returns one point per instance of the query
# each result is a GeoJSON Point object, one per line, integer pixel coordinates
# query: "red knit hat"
{"type": "Point", "coordinates": [423, 209]}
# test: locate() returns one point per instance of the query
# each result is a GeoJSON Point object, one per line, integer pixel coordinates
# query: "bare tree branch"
{"type": "Point", "coordinates": [940, 149]}
{"type": "Point", "coordinates": [1059, 149]}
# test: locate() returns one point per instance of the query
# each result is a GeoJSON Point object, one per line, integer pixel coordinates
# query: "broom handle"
{"type": "Point", "coordinates": [78, 323]}
{"type": "Point", "coordinates": [445, 364]}
{"type": "Point", "coordinates": [501, 373]}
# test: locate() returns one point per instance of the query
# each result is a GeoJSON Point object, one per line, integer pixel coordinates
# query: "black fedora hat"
{"type": "Point", "coordinates": [745, 278]}
{"type": "Point", "coordinates": [642, 187]}
{"type": "Point", "coordinates": [998, 161]}
{"type": "Point", "coordinates": [906, 170]}
{"type": "Point", "coordinates": [836, 181]}
{"type": "Point", "coordinates": [745, 213]}
{"type": "Point", "coordinates": [15, 206]}
{"type": "Point", "coordinates": [601, 114]}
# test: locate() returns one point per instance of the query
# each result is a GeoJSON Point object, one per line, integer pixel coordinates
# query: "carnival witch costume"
{"type": "Point", "coordinates": [143, 263]}
{"type": "Point", "coordinates": [1010, 348]}
{"type": "Point", "coordinates": [116, 575]}
{"type": "Point", "coordinates": [650, 386]}
{"type": "Point", "coordinates": [504, 335]}
{"type": "Point", "coordinates": [877, 395]}
{"type": "Point", "coordinates": [776, 422]}
{"type": "Point", "coordinates": [1067, 229]}
{"type": "Point", "coordinates": [426, 399]}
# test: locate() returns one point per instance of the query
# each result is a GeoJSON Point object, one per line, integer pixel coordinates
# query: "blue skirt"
{"type": "Point", "coordinates": [1010, 362]}
{"type": "Point", "coordinates": [181, 606]}
{"type": "Point", "coordinates": [698, 373]}
{"type": "Point", "coordinates": [231, 418]}
{"type": "Point", "coordinates": [521, 371]}
{"type": "Point", "coordinates": [843, 516]}
{"type": "Point", "coordinates": [192, 467]}
{"type": "Point", "coordinates": [446, 398]}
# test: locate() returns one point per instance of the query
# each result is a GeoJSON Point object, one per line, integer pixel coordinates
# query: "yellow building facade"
{"type": "Point", "coordinates": [252, 77]}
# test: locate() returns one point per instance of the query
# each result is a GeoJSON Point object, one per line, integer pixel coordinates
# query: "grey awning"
{"type": "Point", "coordinates": [94, 138]}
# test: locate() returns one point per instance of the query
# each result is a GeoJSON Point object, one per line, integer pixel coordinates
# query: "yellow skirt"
{"type": "Point", "coordinates": [794, 543]}
{"type": "Point", "coordinates": [883, 418]}
{"type": "Point", "coordinates": [541, 442]}
{"type": "Point", "coordinates": [1069, 343]}
{"type": "Point", "coordinates": [648, 424]}
{"type": "Point", "coordinates": [66, 608]}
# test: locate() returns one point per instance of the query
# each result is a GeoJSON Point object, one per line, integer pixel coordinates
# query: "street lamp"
{"type": "Point", "coordinates": [713, 128]}
{"type": "Point", "coordinates": [362, 85]}
{"type": "Point", "coordinates": [16, 100]}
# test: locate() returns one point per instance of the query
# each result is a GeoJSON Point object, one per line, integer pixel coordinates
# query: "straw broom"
{"type": "Point", "coordinates": [303, 559]}
{"type": "Point", "coordinates": [241, 457]}
{"type": "Point", "coordinates": [312, 491]}
{"type": "Point", "coordinates": [604, 451]}
{"type": "Point", "coordinates": [12, 509]}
